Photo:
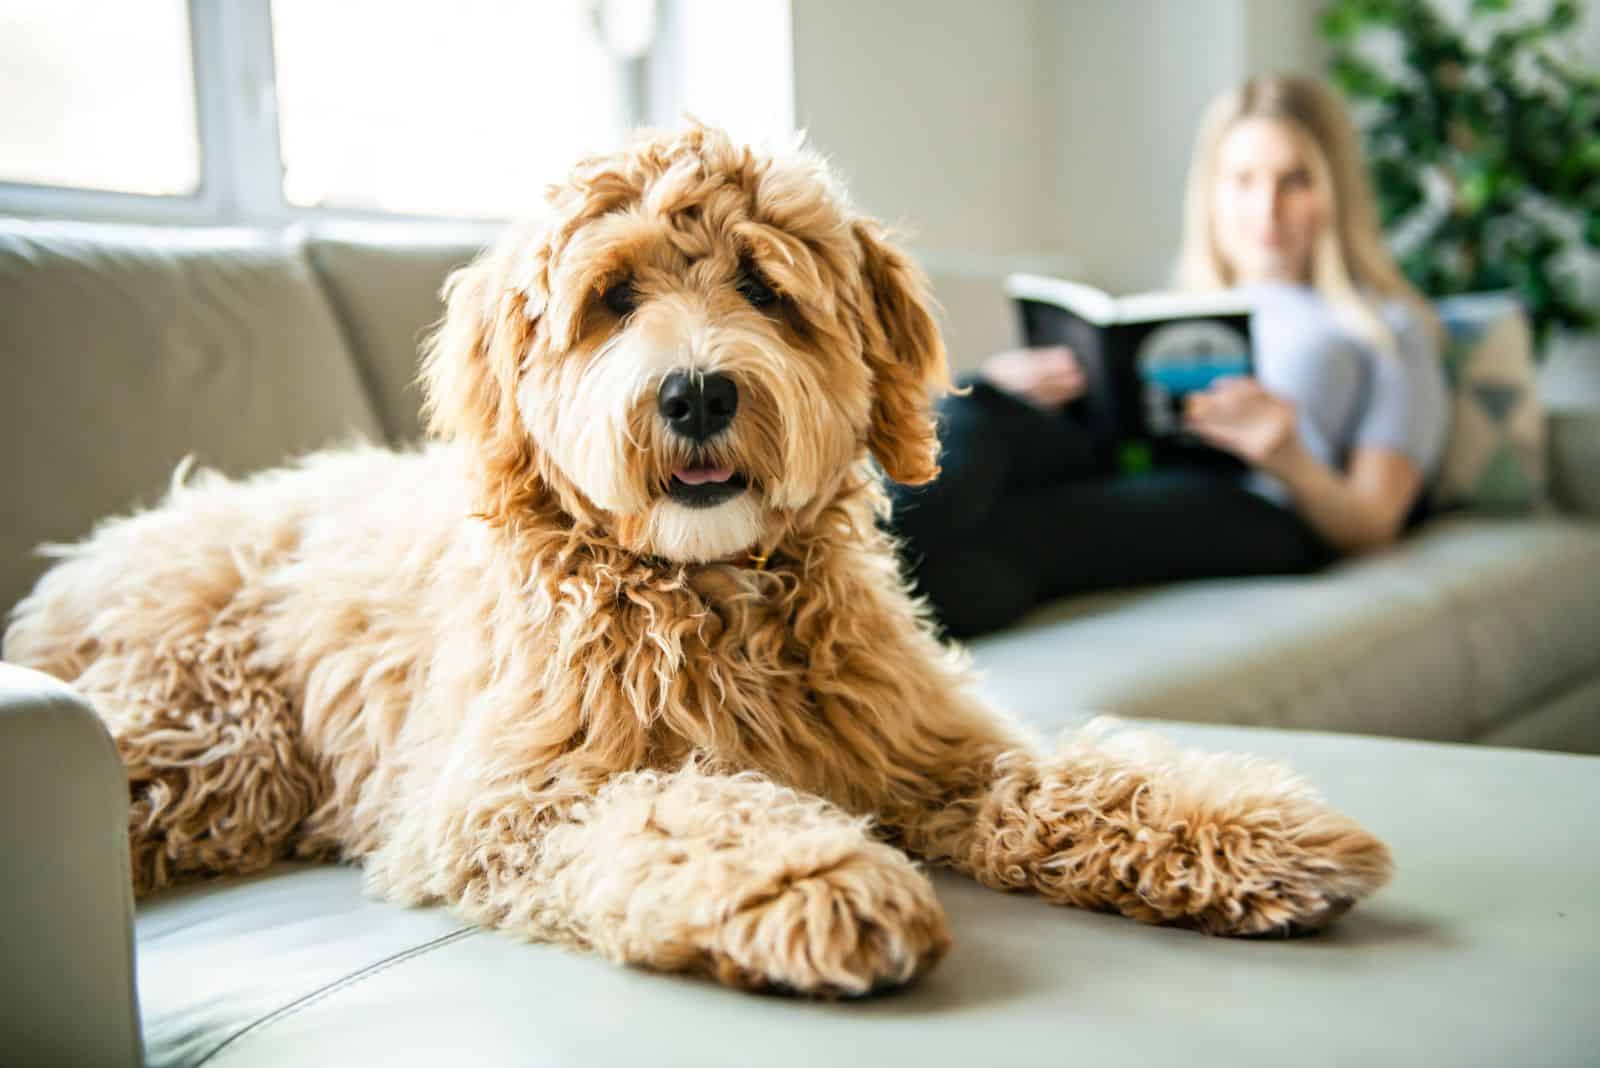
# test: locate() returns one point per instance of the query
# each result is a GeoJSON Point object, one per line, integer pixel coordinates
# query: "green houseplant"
{"type": "Point", "coordinates": [1484, 139]}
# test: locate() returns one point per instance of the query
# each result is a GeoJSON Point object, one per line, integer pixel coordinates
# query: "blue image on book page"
{"type": "Point", "coordinates": [1180, 358]}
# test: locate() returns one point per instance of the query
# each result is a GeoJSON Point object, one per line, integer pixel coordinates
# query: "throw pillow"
{"type": "Point", "coordinates": [1495, 457]}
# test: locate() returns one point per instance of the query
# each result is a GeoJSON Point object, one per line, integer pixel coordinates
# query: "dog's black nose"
{"type": "Point", "coordinates": [697, 405]}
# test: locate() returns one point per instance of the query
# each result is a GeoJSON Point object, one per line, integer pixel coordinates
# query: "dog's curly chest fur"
{"type": "Point", "coordinates": [704, 660]}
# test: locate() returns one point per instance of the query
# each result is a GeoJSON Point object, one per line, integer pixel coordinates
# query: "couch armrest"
{"type": "Point", "coordinates": [67, 993]}
{"type": "Point", "coordinates": [1575, 459]}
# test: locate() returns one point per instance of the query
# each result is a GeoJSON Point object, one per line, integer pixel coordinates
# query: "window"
{"type": "Point", "coordinates": [98, 96]}
{"type": "Point", "coordinates": [466, 108]}
{"type": "Point", "coordinates": [269, 110]}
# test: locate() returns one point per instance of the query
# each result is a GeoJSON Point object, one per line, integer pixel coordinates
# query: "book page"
{"type": "Point", "coordinates": [1150, 307]}
{"type": "Point", "coordinates": [1084, 301]}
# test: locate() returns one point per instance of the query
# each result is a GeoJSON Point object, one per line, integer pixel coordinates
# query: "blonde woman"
{"type": "Point", "coordinates": [1341, 427]}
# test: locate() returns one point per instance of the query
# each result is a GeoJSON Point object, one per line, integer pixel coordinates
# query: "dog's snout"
{"type": "Point", "coordinates": [697, 405]}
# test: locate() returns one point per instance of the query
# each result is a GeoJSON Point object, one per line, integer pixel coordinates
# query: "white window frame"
{"type": "Point", "coordinates": [241, 157]}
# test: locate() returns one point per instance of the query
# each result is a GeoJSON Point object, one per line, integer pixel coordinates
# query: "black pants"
{"type": "Point", "coordinates": [1024, 512]}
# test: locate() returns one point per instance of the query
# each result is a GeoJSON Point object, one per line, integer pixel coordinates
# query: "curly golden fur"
{"type": "Point", "coordinates": [519, 672]}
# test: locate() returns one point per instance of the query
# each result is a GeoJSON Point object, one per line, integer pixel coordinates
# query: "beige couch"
{"type": "Point", "coordinates": [127, 349]}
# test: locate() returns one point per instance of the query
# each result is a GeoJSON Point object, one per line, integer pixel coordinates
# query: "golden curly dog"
{"type": "Point", "coordinates": [626, 661]}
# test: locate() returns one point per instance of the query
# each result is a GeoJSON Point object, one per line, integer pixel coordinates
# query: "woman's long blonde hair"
{"type": "Point", "coordinates": [1350, 265]}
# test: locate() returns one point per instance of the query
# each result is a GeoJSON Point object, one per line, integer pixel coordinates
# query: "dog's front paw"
{"type": "Point", "coordinates": [1224, 843]}
{"type": "Point", "coordinates": [1269, 879]}
{"type": "Point", "coordinates": [863, 923]}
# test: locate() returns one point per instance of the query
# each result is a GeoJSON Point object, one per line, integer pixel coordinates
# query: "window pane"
{"type": "Point", "coordinates": [467, 109]}
{"type": "Point", "coordinates": [98, 94]}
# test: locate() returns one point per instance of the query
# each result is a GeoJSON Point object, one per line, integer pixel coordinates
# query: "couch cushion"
{"type": "Point", "coordinates": [1575, 460]}
{"type": "Point", "coordinates": [384, 281]}
{"type": "Point", "coordinates": [127, 348]}
{"type": "Point", "coordinates": [1568, 721]}
{"type": "Point", "coordinates": [1444, 636]}
{"type": "Point", "coordinates": [1484, 950]}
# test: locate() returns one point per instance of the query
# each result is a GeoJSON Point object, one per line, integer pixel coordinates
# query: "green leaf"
{"type": "Point", "coordinates": [1494, 277]}
{"type": "Point", "coordinates": [1589, 153]}
{"type": "Point", "coordinates": [1358, 78]}
{"type": "Point", "coordinates": [1490, 7]}
{"type": "Point", "coordinates": [1339, 23]}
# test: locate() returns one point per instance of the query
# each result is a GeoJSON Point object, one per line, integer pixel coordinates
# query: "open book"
{"type": "Point", "coordinates": [1142, 355]}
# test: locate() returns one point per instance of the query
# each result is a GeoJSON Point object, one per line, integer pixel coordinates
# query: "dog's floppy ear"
{"type": "Point", "coordinates": [472, 362]}
{"type": "Point", "coordinates": [906, 354]}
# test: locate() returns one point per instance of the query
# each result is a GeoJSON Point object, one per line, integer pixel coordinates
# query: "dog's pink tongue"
{"type": "Point", "coordinates": [694, 476]}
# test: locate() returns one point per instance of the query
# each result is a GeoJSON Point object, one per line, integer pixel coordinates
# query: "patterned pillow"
{"type": "Point", "coordinates": [1494, 459]}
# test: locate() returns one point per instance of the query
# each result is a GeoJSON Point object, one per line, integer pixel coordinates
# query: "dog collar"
{"type": "Point", "coordinates": [755, 561]}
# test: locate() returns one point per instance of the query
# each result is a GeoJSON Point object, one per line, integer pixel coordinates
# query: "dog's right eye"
{"type": "Point", "coordinates": [621, 298]}
{"type": "Point", "coordinates": [754, 289]}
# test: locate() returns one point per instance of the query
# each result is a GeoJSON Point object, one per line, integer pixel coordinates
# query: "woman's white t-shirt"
{"type": "Point", "coordinates": [1349, 394]}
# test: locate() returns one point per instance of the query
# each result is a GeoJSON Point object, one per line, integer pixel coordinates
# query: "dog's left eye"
{"type": "Point", "coordinates": [754, 288]}
{"type": "Point", "coordinates": [621, 298]}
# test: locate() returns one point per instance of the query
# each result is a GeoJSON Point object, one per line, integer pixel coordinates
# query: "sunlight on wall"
{"type": "Point", "coordinates": [734, 64]}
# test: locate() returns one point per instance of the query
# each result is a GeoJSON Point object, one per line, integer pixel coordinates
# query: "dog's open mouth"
{"type": "Point", "coordinates": [705, 485]}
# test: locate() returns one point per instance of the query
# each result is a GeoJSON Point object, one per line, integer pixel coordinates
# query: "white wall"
{"type": "Point", "coordinates": [1130, 82]}
{"type": "Point", "coordinates": [931, 110]}
{"type": "Point", "coordinates": [731, 64]}
{"type": "Point", "coordinates": [1281, 35]}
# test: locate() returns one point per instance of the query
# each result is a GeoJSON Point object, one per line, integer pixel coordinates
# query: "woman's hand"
{"type": "Point", "coordinates": [1046, 378]}
{"type": "Point", "coordinates": [1354, 511]}
{"type": "Point", "coordinates": [1239, 416]}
